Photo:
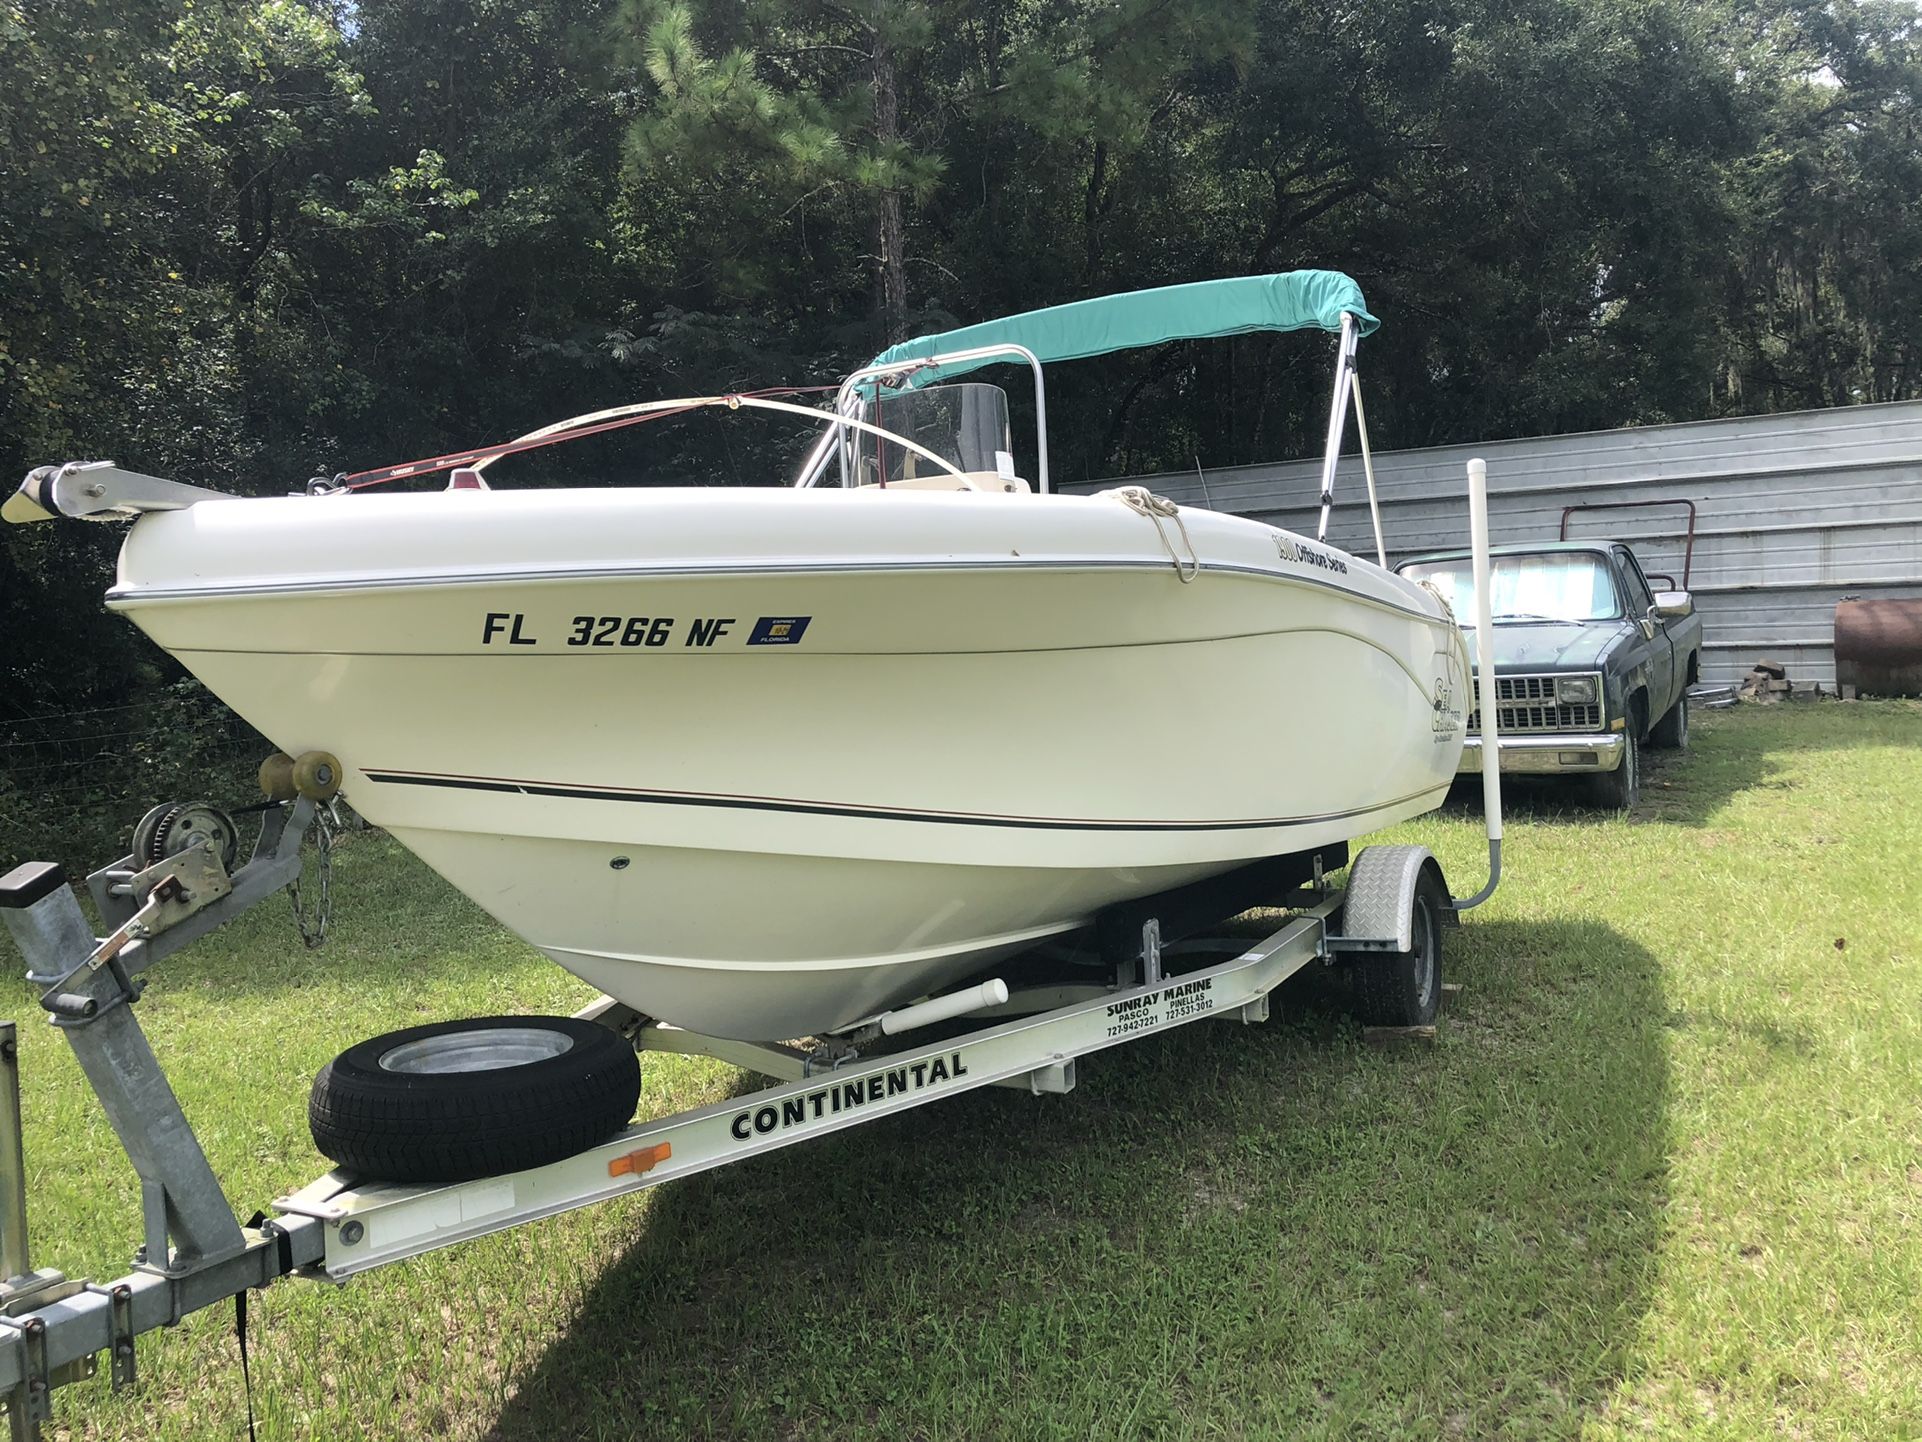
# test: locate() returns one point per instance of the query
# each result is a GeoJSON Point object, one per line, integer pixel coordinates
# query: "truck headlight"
{"type": "Point", "coordinates": [1578, 690]}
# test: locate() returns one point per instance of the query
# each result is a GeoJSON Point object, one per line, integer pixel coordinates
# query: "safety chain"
{"type": "Point", "coordinates": [314, 931]}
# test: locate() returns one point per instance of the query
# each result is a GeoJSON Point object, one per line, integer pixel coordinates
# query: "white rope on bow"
{"type": "Point", "coordinates": [1448, 611]}
{"type": "Point", "coordinates": [1448, 617]}
{"type": "Point", "coordinates": [1145, 502]}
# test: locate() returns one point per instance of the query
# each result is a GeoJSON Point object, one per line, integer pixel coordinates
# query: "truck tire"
{"type": "Point", "coordinates": [457, 1100]}
{"type": "Point", "coordinates": [1671, 732]}
{"type": "Point", "coordinates": [1403, 988]}
{"type": "Point", "coordinates": [1621, 789]}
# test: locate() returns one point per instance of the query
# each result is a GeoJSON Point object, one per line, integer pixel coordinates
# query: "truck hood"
{"type": "Point", "coordinates": [1549, 646]}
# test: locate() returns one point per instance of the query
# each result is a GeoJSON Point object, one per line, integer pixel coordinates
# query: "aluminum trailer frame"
{"type": "Point", "coordinates": [368, 1225]}
{"type": "Point", "coordinates": [198, 1255]}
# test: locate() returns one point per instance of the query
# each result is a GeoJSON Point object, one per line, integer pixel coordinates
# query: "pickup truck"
{"type": "Point", "coordinates": [1591, 663]}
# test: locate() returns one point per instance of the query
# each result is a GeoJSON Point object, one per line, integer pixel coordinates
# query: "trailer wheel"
{"type": "Point", "coordinates": [462, 1099]}
{"type": "Point", "coordinates": [1397, 892]}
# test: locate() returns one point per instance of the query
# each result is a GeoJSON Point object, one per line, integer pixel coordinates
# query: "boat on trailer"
{"type": "Point", "coordinates": [460, 1129]}
{"type": "Point", "coordinates": [922, 719]}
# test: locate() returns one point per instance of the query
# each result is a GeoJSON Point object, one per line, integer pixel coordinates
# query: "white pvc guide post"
{"type": "Point", "coordinates": [1485, 665]}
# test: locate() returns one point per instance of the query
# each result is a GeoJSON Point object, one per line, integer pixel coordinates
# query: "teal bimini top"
{"type": "Point", "coordinates": [1293, 300]}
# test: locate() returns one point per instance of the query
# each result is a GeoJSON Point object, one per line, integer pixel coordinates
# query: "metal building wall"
{"type": "Point", "coordinates": [1794, 512]}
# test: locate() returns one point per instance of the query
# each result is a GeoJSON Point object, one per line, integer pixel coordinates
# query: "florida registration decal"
{"type": "Point", "coordinates": [779, 631]}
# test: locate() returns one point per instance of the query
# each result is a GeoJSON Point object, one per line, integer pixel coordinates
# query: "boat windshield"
{"type": "Point", "coordinates": [1571, 586]}
{"type": "Point", "coordinates": [966, 424]}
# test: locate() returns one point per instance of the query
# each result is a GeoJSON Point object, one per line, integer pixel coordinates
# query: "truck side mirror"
{"type": "Point", "coordinates": [1674, 605]}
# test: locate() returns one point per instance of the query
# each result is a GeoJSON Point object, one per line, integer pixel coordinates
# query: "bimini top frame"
{"type": "Point", "coordinates": [1291, 300]}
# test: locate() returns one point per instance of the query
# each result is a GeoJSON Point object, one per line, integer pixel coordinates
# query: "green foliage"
{"type": "Point", "coordinates": [249, 241]}
{"type": "Point", "coordinates": [73, 784]}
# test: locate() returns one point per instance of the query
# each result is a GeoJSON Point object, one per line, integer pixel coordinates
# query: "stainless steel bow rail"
{"type": "Point", "coordinates": [196, 1253]}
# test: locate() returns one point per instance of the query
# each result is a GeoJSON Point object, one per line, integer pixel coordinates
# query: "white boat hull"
{"type": "Point", "coordinates": [814, 754]}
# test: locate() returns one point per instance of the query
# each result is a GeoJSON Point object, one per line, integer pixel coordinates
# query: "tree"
{"type": "Point", "coordinates": [778, 112]}
{"type": "Point", "coordinates": [1821, 294]}
{"type": "Point", "coordinates": [249, 240]}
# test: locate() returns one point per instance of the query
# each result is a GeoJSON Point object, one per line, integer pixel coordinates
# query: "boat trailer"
{"type": "Point", "coordinates": [196, 1253]}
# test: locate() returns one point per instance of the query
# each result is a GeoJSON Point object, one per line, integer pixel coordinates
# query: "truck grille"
{"type": "Point", "coordinates": [1527, 703]}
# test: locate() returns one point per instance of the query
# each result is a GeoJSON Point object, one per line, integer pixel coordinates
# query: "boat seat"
{"type": "Point", "coordinates": [966, 481]}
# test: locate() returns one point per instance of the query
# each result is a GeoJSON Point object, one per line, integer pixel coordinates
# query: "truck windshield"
{"type": "Point", "coordinates": [1551, 586]}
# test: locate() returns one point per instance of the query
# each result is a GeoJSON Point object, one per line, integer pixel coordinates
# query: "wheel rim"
{"type": "Point", "coordinates": [493, 1049]}
{"type": "Point", "coordinates": [1424, 946]}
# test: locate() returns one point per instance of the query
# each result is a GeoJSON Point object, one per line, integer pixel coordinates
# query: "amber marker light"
{"type": "Point", "coordinates": [645, 1160]}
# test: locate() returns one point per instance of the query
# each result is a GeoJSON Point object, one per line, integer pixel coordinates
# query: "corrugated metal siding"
{"type": "Point", "coordinates": [1794, 512]}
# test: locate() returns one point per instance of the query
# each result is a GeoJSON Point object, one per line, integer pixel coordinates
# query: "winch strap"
{"type": "Point", "coordinates": [246, 1372]}
{"type": "Point", "coordinates": [284, 1256]}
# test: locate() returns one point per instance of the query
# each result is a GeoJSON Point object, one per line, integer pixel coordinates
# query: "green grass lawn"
{"type": "Point", "coordinates": [1661, 1175]}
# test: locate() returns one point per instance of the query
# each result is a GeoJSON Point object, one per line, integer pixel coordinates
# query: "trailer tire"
{"type": "Point", "coordinates": [456, 1100]}
{"type": "Point", "coordinates": [1404, 988]}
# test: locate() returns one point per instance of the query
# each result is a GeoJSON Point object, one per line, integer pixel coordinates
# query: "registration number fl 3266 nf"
{"type": "Point", "coordinates": [518, 628]}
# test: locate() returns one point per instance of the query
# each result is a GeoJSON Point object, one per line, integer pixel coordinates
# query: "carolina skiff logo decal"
{"type": "Point", "coordinates": [846, 1096]}
{"type": "Point", "coordinates": [1448, 711]}
{"type": "Point", "coordinates": [1301, 552]}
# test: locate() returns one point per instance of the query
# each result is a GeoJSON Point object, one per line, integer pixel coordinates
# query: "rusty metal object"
{"type": "Point", "coordinates": [1878, 647]}
{"type": "Point", "coordinates": [1688, 546]}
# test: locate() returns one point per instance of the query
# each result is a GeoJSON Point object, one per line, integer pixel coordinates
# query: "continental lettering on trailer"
{"type": "Point", "coordinates": [1177, 1001]}
{"type": "Point", "coordinates": [847, 1096]}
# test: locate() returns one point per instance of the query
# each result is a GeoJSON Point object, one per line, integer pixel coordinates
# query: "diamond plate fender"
{"type": "Point", "coordinates": [1380, 901]}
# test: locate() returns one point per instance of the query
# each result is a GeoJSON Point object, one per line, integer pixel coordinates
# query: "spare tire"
{"type": "Point", "coordinates": [457, 1100]}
